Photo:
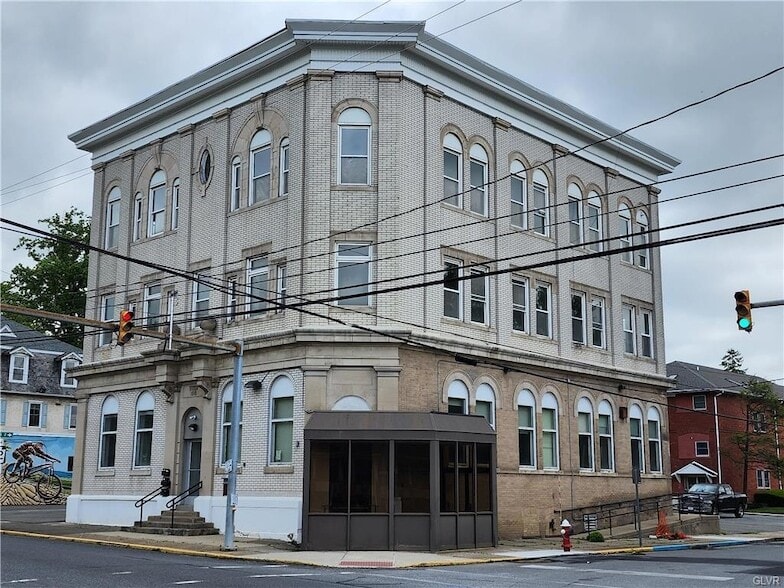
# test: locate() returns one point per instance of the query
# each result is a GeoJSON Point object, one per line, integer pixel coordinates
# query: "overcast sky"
{"type": "Point", "coordinates": [66, 65]}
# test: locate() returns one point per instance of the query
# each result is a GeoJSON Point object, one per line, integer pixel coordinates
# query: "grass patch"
{"type": "Point", "coordinates": [766, 509]}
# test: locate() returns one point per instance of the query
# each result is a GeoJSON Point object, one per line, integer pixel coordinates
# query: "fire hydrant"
{"type": "Point", "coordinates": [566, 531]}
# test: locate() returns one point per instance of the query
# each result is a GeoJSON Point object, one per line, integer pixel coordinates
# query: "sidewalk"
{"type": "Point", "coordinates": [284, 553]}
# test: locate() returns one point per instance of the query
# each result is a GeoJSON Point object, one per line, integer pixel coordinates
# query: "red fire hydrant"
{"type": "Point", "coordinates": [566, 531]}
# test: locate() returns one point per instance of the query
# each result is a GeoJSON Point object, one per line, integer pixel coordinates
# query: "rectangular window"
{"type": "Point", "coordinates": [257, 290]}
{"type": "Point", "coordinates": [654, 445]}
{"type": "Point", "coordinates": [412, 477]}
{"type": "Point", "coordinates": [355, 155]}
{"type": "Point", "coordinates": [112, 220]}
{"type": "Point", "coordinates": [763, 479]}
{"type": "Point", "coordinates": [137, 217]}
{"type": "Point", "coordinates": [629, 336]}
{"type": "Point", "coordinates": [646, 334]}
{"type": "Point", "coordinates": [452, 178]}
{"type": "Point", "coordinates": [108, 440]}
{"type": "Point", "coordinates": [66, 380]}
{"type": "Point", "coordinates": [18, 368]}
{"type": "Point", "coordinates": [232, 300]}
{"type": "Point", "coordinates": [329, 476]}
{"type": "Point", "coordinates": [143, 453]}
{"type": "Point", "coordinates": [3, 407]}
{"type": "Point", "coordinates": [456, 406]}
{"type": "Point", "coordinates": [260, 180]}
{"type": "Point", "coordinates": [625, 235]}
{"type": "Point", "coordinates": [520, 305]}
{"type": "Point", "coordinates": [35, 414]}
{"type": "Point", "coordinates": [605, 442]}
{"type": "Point", "coordinates": [282, 429]}
{"type": "Point", "coordinates": [201, 301]}
{"type": "Point", "coordinates": [369, 491]}
{"type": "Point", "coordinates": [107, 316]}
{"type": "Point", "coordinates": [698, 402]}
{"type": "Point", "coordinates": [635, 433]}
{"type": "Point", "coordinates": [578, 317]}
{"type": "Point", "coordinates": [759, 422]}
{"type": "Point", "coordinates": [594, 227]}
{"type": "Point", "coordinates": [226, 426]}
{"type": "Point", "coordinates": [585, 433]}
{"type": "Point", "coordinates": [236, 183]}
{"type": "Point", "coordinates": [157, 219]}
{"type": "Point", "coordinates": [453, 290]}
{"type": "Point", "coordinates": [353, 273]}
{"type": "Point", "coordinates": [575, 221]}
{"type": "Point", "coordinates": [526, 436]}
{"type": "Point", "coordinates": [597, 322]}
{"type": "Point", "coordinates": [540, 212]}
{"type": "Point", "coordinates": [69, 420]}
{"type": "Point", "coordinates": [518, 202]}
{"type": "Point", "coordinates": [701, 449]}
{"type": "Point", "coordinates": [152, 306]}
{"type": "Point", "coordinates": [543, 299]}
{"type": "Point", "coordinates": [284, 169]}
{"type": "Point", "coordinates": [478, 175]}
{"type": "Point", "coordinates": [175, 219]}
{"type": "Point", "coordinates": [549, 439]}
{"type": "Point", "coordinates": [479, 307]}
{"type": "Point", "coordinates": [69, 464]}
{"type": "Point", "coordinates": [281, 289]}
{"type": "Point", "coordinates": [486, 409]}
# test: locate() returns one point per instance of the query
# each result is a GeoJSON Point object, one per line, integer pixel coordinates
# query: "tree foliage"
{"type": "Point", "coordinates": [733, 362]}
{"type": "Point", "coordinates": [56, 281]}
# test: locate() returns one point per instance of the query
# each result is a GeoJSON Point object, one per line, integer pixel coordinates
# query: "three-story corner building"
{"type": "Point", "coordinates": [386, 223]}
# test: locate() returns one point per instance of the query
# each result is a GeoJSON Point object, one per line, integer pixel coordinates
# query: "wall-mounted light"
{"type": "Point", "coordinates": [254, 385]}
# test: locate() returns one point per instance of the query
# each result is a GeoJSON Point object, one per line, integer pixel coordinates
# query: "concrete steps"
{"type": "Point", "coordinates": [186, 522]}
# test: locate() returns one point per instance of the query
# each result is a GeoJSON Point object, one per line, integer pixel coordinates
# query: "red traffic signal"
{"type": "Point", "coordinates": [125, 328]}
{"type": "Point", "coordinates": [743, 310]}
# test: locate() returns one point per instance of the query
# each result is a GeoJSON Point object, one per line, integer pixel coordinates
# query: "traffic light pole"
{"type": "Point", "coordinates": [234, 450]}
{"type": "Point", "coordinates": [767, 303]}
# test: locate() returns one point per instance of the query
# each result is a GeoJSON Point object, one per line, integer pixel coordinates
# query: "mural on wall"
{"type": "Point", "coordinates": [35, 469]}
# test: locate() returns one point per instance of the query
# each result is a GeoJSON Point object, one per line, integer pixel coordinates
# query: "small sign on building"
{"type": "Point", "coordinates": [590, 522]}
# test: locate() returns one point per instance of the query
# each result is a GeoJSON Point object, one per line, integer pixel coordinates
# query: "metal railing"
{"type": "Point", "coordinates": [172, 503]}
{"type": "Point", "coordinates": [618, 513]}
{"type": "Point", "coordinates": [145, 499]}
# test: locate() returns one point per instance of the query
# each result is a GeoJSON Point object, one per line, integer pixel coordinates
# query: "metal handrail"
{"type": "Point", "coordinates": [145, 499]}
{"type": "Point", "coordinates": [173, 502]}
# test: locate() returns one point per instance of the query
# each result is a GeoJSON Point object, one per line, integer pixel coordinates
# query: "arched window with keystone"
{"type": "Point", "coordinates": [354, 127]}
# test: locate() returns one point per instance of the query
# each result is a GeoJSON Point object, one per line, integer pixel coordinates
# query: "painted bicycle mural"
{"type": "Point", "coordinates": [25, 482]}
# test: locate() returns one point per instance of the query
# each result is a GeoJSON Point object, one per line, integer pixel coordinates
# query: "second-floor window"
{"type": "Point", "coordinates": [107, 316]}
{"type": "Point", "coordinates": [453, 290]}
{"type": "Point", "coordinates": [112, 218]}
{"type": "Point", "coordinates": [520, 305]}
{"type": "Point", "coordinates": [629, 334]}
{"type": "Point", "coordinates": [646, 334]}
{"type": "Point", "coordinates": [18, 368]}
{"type": "Point", "coordinates": [69, 417]}
{"type": "Point", "coordinates": [354, 147]}
{"type": "Point", "coordinates": [257, 285]}
{"type": "Point", "coordinates": [156, 222]}
{"type": "Point", "coordinates": [353, 273]}
{"type": "Point", "coordinates": [543, 302]}
{"type": "Point", "coordinates": [578, 317]}
{"type": "Point", "coordinates": [479, 295]}
{"type": "Point", "coordinates": [597, 322]}
{"type": "Point", "coordinates": [34, 414]}
{"type": "Point", "coordinates": [152, 305]}
{"type": "Point", "coordinates": [201, 301]}
{"type": "Point", "coordinates": [66, 380]}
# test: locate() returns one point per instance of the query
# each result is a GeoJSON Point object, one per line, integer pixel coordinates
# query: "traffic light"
{"type": "Point", "coordinates": [124, 330]}
{"type": "Point", "coordinates": [743, 308]}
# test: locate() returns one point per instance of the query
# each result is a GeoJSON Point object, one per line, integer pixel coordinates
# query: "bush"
{"type": "Point", "coordinates": [769, 498]}
{"type": "Point", "coordinates": [595, 537]}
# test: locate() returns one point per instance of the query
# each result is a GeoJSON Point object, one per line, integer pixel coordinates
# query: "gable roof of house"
{"type": "Point", "coordinates": [691, 377]}
{"type": "Point", "coordinates": [14, 335]}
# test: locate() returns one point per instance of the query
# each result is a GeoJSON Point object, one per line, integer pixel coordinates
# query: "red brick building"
{"type": "Point", "coordinates": [706, 412]}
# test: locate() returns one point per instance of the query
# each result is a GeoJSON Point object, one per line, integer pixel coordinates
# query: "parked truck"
{"type": "Point", "coordinates": [713, 499]}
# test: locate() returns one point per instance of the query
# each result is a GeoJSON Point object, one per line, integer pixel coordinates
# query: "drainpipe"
{"type": "Point", "coordinates": [716, 424]}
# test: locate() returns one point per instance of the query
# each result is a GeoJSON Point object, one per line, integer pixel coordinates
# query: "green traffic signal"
{"type": "Point", "coordinates": [744, 323]}
{"type": "Point", "coordinates": [743, 310]}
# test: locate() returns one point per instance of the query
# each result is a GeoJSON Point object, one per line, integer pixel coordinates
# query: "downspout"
{"type": "Point", "coordinates": [716, 424]}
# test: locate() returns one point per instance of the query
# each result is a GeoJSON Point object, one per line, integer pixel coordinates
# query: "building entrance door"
{"type": "Point", "coordinates": [191, 454]}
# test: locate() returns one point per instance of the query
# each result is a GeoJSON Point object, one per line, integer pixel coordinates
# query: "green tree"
{"type": "Point", "coordinates": [56, 281]}
{"type": "Point", "coordinates": [733, 362]}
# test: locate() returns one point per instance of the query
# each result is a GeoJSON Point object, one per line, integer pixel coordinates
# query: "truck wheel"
{"type": "Point", "coordinates": [740, 511]}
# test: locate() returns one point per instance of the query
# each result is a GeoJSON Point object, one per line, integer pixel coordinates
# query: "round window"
{"type": "Point", "coordinates": [205, 166]}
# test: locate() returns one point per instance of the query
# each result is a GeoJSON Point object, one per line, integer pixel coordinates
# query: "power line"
{"type": "Point", "coordinates": [44, 172]}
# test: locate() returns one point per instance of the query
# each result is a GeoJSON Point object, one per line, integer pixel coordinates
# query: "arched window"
{"type": "Point", "coordinates": [175, 217]}
{"type": "Point", "coordinates": [236, 183]}
{"type": "Point", "coordinates": [606, 442]}
{"type": "Point", "coordinates": [636, 436]}
{"type": "Point", "coordinates": [642, 239]}
{"type": "Point", "coordinates": [260, 166]}
{"type": "Point", "coordinates": [156, 217]}
{"type": "Point", "coordinates": [283, 180]}
{"type": "Point", "coordinates": [478, 179]}
{"type": "Point", "coordinates": [585, 433]}
{"type": "Point", "coordinates": [540, 215]}
{"type": "Point", "coordinates": [228, 392]}
{"type": "Point", "coordinates": [654, 439]}
{"type": "Point", "coordinates": [594, 222]}
{"type": "Point", "coordinates": [458, 397]}
{"type": "Point", "coordinates": [112, 218]}
{"type": "Point", "coordinates": [575, 196]}
{"type": "Point", "coordinates": [485, 403]}
{"type": "Point", "coordinates": [351, 403]}
{"type": "Point", "coordinates": [550, 451]}
{"type": "Point", "coordinates": [281, 420]}
{"type": "Point", "coordinates": [145, 409]}
{"type": "Point", "coordinates": [354, 147]}
{"type": "Point", "coordinates": [625, 231]}
{"type": "Point", "coordinates": [517, 181]}
{"type": "Point", "coordinates": [453, 171]}
{"type": "Point", "coordinates": [526, 428]}
{"type": "Point", "coordinates": [107, 446]}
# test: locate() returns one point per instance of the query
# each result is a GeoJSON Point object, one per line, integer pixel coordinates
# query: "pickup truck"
{"type": "Point", "coordinates": [713, 499]}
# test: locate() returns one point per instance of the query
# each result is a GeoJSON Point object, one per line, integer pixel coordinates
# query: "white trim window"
{"type": "Point", "coordinates": [453, 289]}
{"type": "Point", "coordinates": [636, 438]}
{"type": "Point", "coordinates": [701, 449]}
{"type": "Point", "coordinates": [526, 429]}
{"type": "Point", "coordinates": [550, 452]}
{"type": "Point", "coordinates": [260, 167]}
{"type": "Point", "coordinates": [152, 305]}
{"type": "Point", "coordinates": [575, 199]}
{"type": "Point", "coordinates": [142, 437]}
{"type": "Point", "coordinates": [646, 334]}
{"type": "Point", "coordinates": [257, 290]}
{"type": "Point", "coordinates": [593, 223]}
{"type": "Point", "coordinates": [353, 273]}
{"type": "Point", "coordinates": [477, 173]}
{"type": "Point", "coordinates": [354, 126]}
{"type": "Point", "coordinates": [543, 305]}
{"type": "Point", "coordinates": [654, 440]}
{"type": "Point", "coordinates": [156, 218]}
{"type": "Point", "coordinates": [540, 216]}
{"type": "Point", "coordinates": [138, 217]}
{"type": "Point", "coordinates": [69, 417]}
{"type": "Point", "coordinates": [485, 403]}
{"type": "Point", "coordinates": [281, 420]}
{"type": "Point", "coordinates": [200, 304]}
{"type": "Point", "coordinates": [453, 166]}
{"type": "Point", "coordinates": [585, 433]}
{"type": "Point", "coordinates": [625, 232]}
{"type": "Point", "coordinates": [112, 218]}
{"type": "Point", "coordinates": [606, 441]}
{"type": "Point", "coordinates": [480, 290]}
{"type": "Point", "coordinates": [34, 414]}
{"type": "Point", "coordinates": [457, 398]}
{"type": "Point", "coordinates": [518, 189]}
{"type": "Point", "coordinates": [107, 447]}
{"type": "Point", "coordinates": [597, 322]}
{"type": "Point", "coordinates": [578, 317]}
{"type": "Point", "coordinates": [699, 402]}
{"type": "Point", "coordinates": [228, 393]}
{"type": "Point", "coordinates": [520, 304]}
{"type": "Point", "coordinates": [107, 315]}
{"type": "Point", "coordinates": [236, 184]}
{"type": "Point", "coordinates": [232, 300]}
{"type": "Point", "coordinates": [18, 367]}
{"type": "Point", "coordinates": [763, 479]}
{"type": "Point", "coordinates": [643, 255]}
{"type": "Point", "coordinates": [281, 288]}
{"type": "Point", "coordinates": [283, 182]}
{"type": "Point", "coordinates": [175, 216]}
{"type": "Point", "coordinates": [67, 381]}
{"type": "Point", "coordinates": [629, 334]}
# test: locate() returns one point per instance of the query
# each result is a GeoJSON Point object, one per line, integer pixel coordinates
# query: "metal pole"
{"type": "Point", "coordinates": [637, 514]}
{"type": "Point", "coordinates": [234, 451]}
{"type": "Point", "coordinates": [172, 294]}
{"type": "Point", "coordinates": [767, 303]}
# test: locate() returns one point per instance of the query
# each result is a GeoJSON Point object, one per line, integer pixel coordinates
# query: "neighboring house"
{"type": "Point", "coordinates": [707, 411]}
{"type": "Point", "coordinates": [341, 159]}
{"type": "Point", "coordinates": [37, 402]}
